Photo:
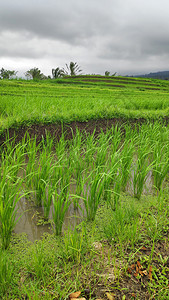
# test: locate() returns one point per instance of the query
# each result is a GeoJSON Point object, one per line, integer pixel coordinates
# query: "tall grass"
{"type": "Point", "coordinates": [6, 272]}
{"type": "Point", "coordinates": [160, 163]}
{"type": "Point", "coordinates": [47, 198]}
{"type": "Point", "coordinates": [61, 203]}
{"type": "Point", "coordinates": [126, 159]}
{"type": "Point", "coordinates": [142, 163]}
{"type": "Point", "coordinates": [123, 225]}
{"type": "Point", "coordinates": [41, 176]}
{"type": "Point", "coordinates": [14, 156]}
{"type": "Point", "coordinates": [111, 173]}
{"type": "Point", "coordinates": [9, 197]}
{"type": "Point", "coordinates": [31, 154]}
{"type": "Point", "coordinates": [92, 194]}
{"type": "Point", "coordinates": [75, 244]}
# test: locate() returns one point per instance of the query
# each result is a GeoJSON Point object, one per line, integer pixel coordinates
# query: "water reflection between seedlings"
{"type": "Point", "coordinates": [32, 215]}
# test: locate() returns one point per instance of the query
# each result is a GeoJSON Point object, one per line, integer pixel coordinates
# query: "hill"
{"type": "Point", "coordinates": [157, 75]}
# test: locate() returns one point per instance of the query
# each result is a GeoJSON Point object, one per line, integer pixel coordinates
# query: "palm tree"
{"type": "Point", "coordinates": [56, 73]}
{"type": "Point", "coordinates": [72, 69]}
{"type": "Point", "coordinates": [34, 73]}
{"type": "Point", "coordinates": [107, 73]}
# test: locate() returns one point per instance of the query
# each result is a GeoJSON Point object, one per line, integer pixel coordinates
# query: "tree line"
{"type": "Point", "coordinates": [71, 69]}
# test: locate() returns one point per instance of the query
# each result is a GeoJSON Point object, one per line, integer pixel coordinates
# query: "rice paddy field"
{"type": "Point", "coordinates": [84, 166]}
{"type": "Point", "coordinates": [82, 98]}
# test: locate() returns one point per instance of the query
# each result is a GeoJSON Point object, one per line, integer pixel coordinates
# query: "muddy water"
{"type": "Point", "coordinates": [28, 221]}
{"type": "Point", "coordinates": [31, 221]}
{"type": "Point", "coordinates": [32, 215]}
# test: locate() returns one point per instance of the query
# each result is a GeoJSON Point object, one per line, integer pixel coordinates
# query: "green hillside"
{"type": "Point", "coordinates": [81, 98]}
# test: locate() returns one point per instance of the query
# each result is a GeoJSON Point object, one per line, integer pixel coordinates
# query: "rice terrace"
{"type": "Point", "coordinates": [84, 197]}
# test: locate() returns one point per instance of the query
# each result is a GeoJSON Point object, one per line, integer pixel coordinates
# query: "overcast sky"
{"type": "Point", "coordinates": [123, 36]}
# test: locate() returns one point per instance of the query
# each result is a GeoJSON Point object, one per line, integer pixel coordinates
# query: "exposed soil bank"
{"type": "Point", "coordinates": [69, 129]}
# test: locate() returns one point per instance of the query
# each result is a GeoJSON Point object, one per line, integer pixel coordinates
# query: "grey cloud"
{"type": "Point", "coordinates": [69, 22]}
{"type": "Point", "coordinates": [98, 33]}
{"type": "Point", "coordinates": [14, 45]}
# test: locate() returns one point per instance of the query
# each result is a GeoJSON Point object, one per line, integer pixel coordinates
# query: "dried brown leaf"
{"type": "Point", "coordinates": [137, 269]}
{"type": "Point", "coordinates": [139, 265]}
{"type": "Point", "coordinates": [75, 295]}
{"type": "Point", "coordinates": [78, 298]}
{"type": "Point", "coordinates": [150, 273]}
{"type": "Point", "coordinates": [145, 272]}
{"type": "Point", "coordinates": [129, 271]}
{"type": "Point", "coordinates": [144, 248]}
{"type": "Point", "coordinates": [110, 296]}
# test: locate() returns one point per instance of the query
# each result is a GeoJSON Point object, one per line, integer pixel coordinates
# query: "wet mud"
{"type": "Point", "coordinates": [69, 129]}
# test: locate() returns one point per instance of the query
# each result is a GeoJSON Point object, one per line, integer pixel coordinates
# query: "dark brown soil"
{"type": "Point", "coordinates": [69, 129]}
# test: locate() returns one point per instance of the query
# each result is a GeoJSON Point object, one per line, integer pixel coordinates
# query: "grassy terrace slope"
{"type": "Point", "coordinates": [81, 98]}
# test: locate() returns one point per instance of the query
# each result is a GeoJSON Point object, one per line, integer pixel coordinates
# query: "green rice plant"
{"type": "Point", "coordinates": [77, 140]}
{"type": "Point", "coordinates": [78, 193]}
{"type": "Point", "coordinates": [61, 203]}
{"type": "Point", "coordinates": [61, 176]}
{"type": "Point", "coordinates": [9, 197]}
{"type": "Point", "coordinates": [57, 170]}
{"type": "Point", "coordinates": [126, 159]}
{"type": "Point", "coordinates": [160, 163]}
{"type": "Point", "coordinates": [142, 165]}
{"type": "Point", "coordinates": [102, 150]}
{"type": "Point", "coordinates": [140, 175]}
{"type": "Point", "coordinates": [61, 147]}
{"type": "Point", "coordinates": [41, 176]}
{"type": "Point", "coordinates": [90, 149]}
{"type": "Point", "coordinates": [49, 188]}
{"type": "Point", "coordinates": [116, 192]}
{"type": "Point", "coordinates": [14, 156]}
{"type": "Point", "coordinates": [32, 152]}
{"type": "Point", "coordinates": [116, 138]}
{"type": "Point", "coordinates": [111, 172]}
{"type": "Point", "coordinates": [76, 167]}
{"type": "Point", "coordinates": [47, 199]}
{"type": "Point", "coordinates": [94, 185]}
{"type": "Point", "coordinates": [65, 180]}
{"type": "Point", "coordinates": [6, 272]}
{"type": "Point", "coordinates": [75, 163]}
{"type": "Point", "coordinates": [158, 132]}
{"type": "Point", "coordinates": [47, 143]}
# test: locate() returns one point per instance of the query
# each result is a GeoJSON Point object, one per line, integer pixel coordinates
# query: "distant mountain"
{"type": "Point", "coordinates": [157, 75]}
